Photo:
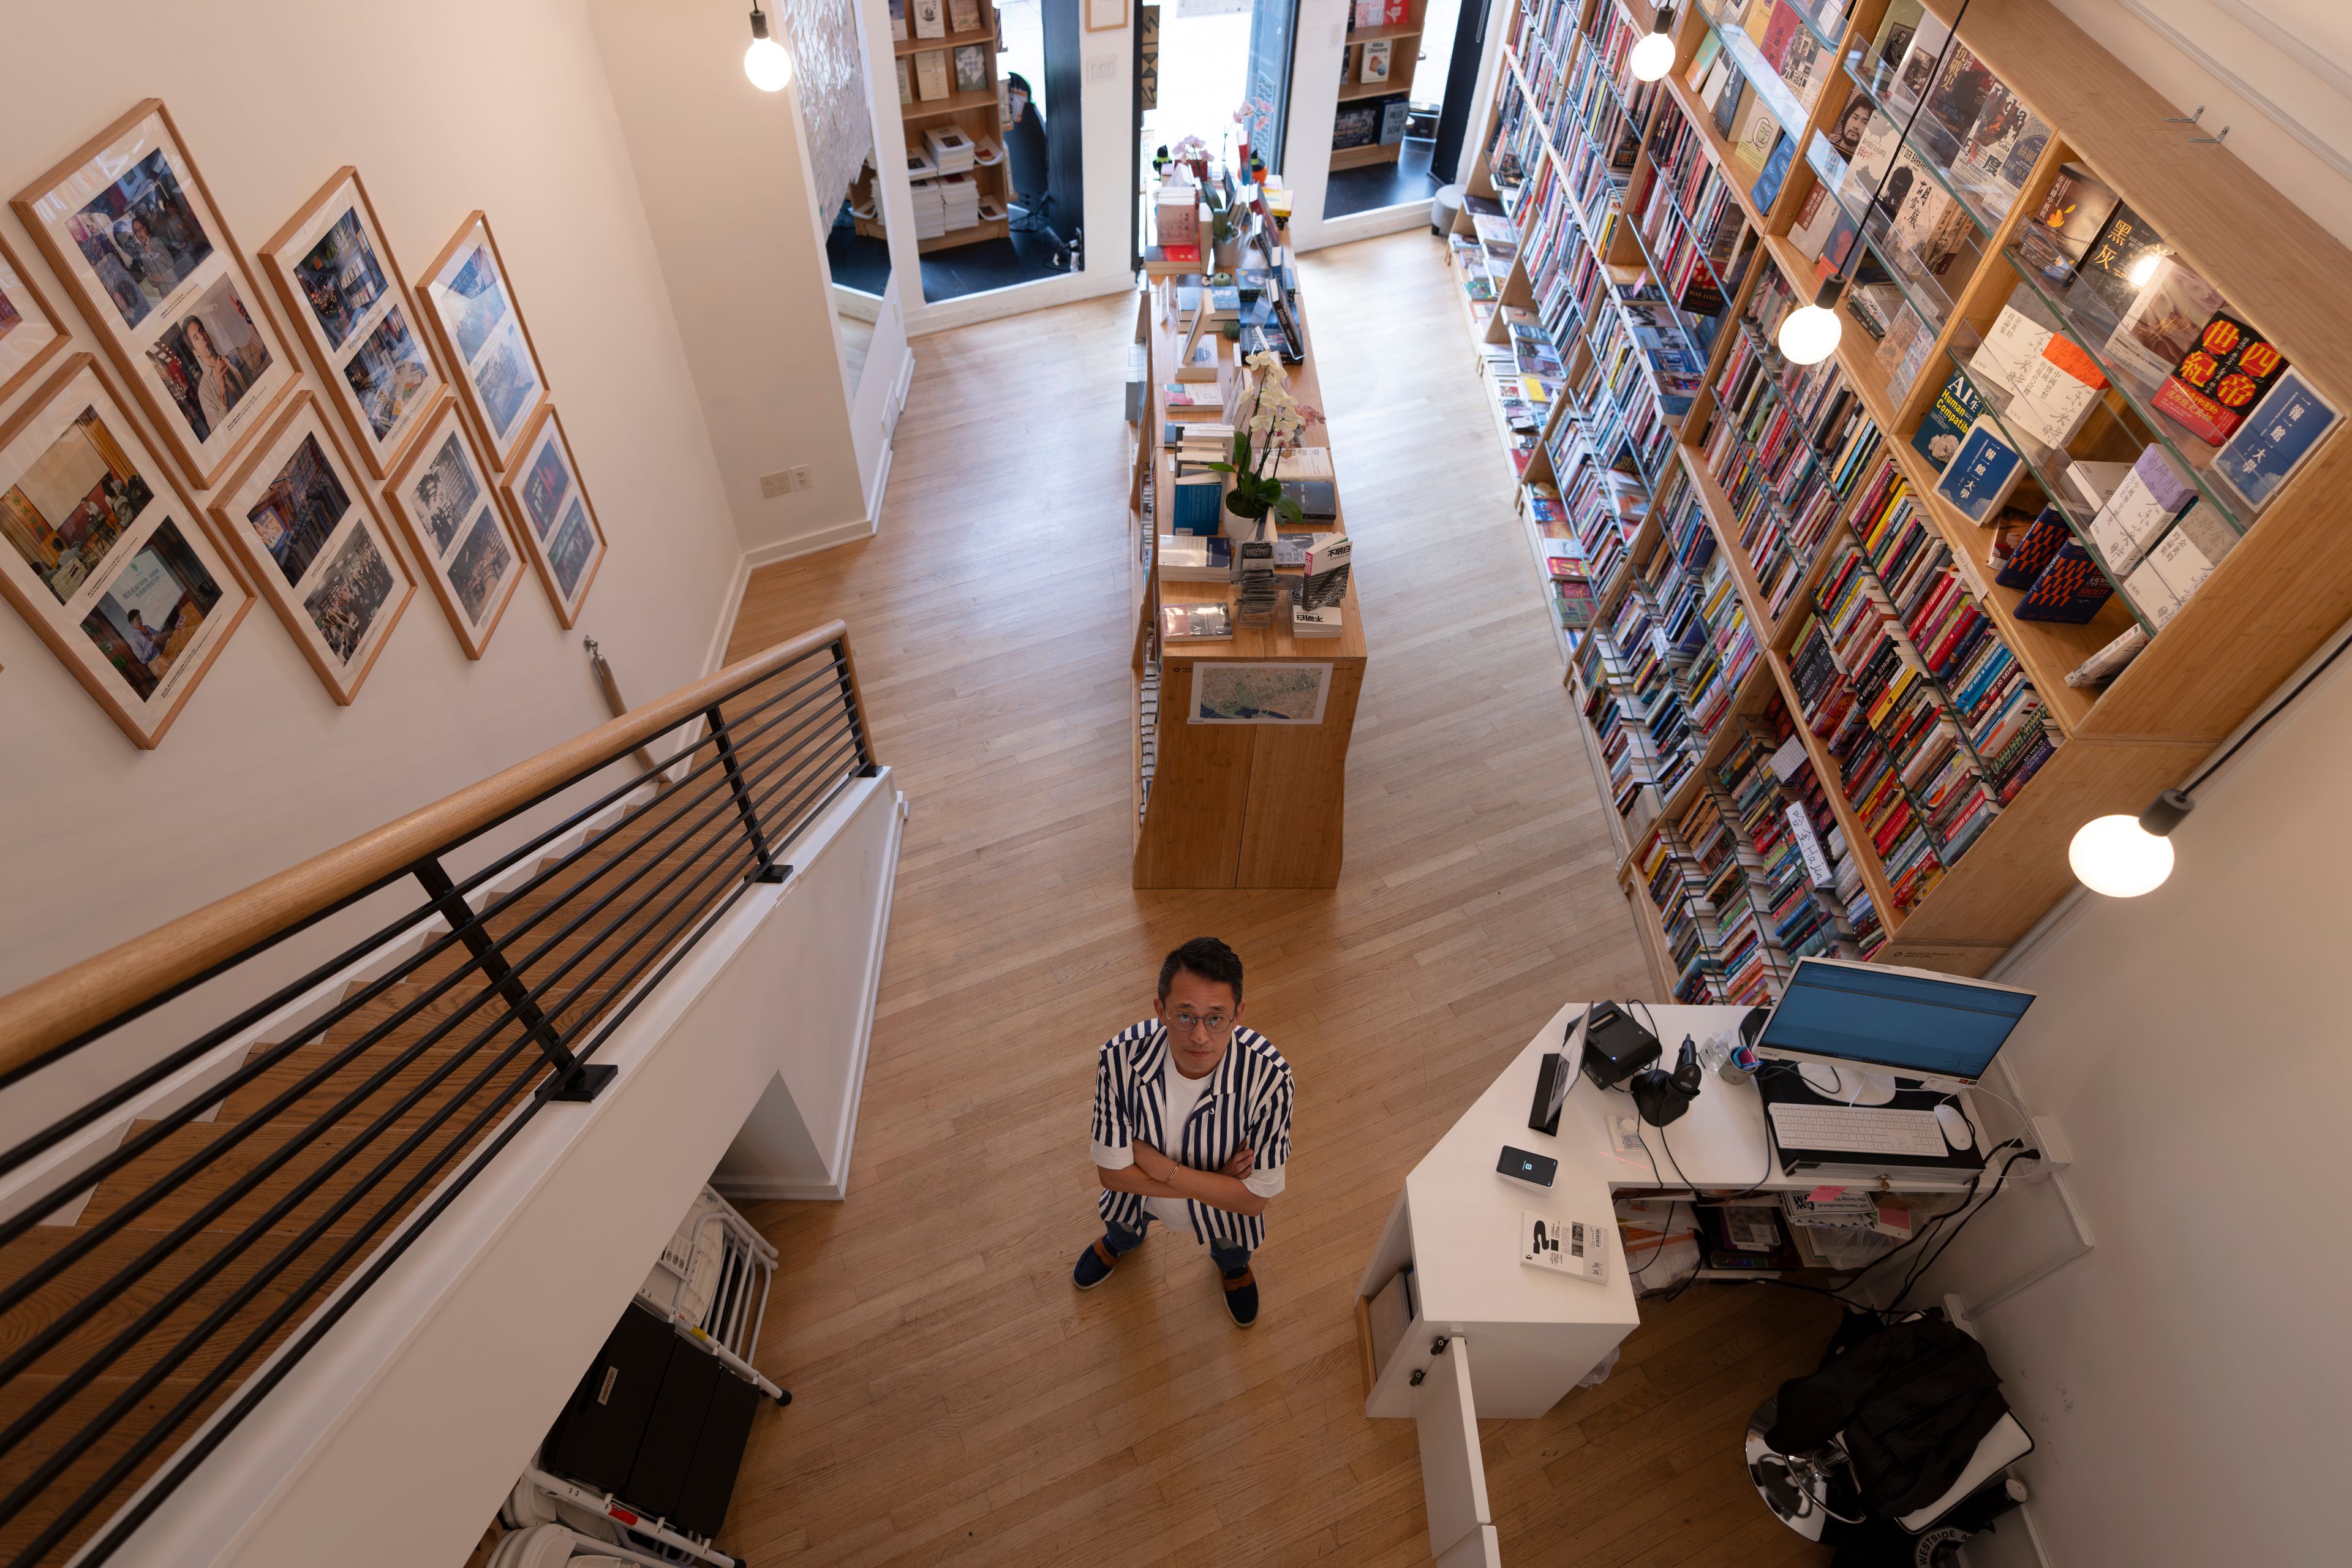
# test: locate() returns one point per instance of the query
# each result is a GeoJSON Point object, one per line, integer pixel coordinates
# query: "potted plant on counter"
{"type": "Point", "coordinates": [1276, 423]}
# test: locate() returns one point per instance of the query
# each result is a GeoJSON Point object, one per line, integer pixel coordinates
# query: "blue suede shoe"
{"type": "Point", "coordinates": [1095, 1265]}
{"type": "Point", "coordinates": [1241, 1297]}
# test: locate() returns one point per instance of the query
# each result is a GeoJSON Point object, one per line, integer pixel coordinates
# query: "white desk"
{"type": "Point", "coordinates": [1517, 1339]}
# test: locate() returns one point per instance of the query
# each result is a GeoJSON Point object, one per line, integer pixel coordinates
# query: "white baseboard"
{"type": "Point", "coordinates": [1015, 298]}
{"type": "Point", "coordinates": [1369, 226]}
{"type": "Point", "coordinates": [848, 532]}
{"type": "Point", "coordinates": [715, 657]}
{"type": "Point", "coordinates": [781, 1191]}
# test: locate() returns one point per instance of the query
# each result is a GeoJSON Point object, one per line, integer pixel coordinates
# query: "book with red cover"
{"type": "Point", "coordinates": [2220, 378]}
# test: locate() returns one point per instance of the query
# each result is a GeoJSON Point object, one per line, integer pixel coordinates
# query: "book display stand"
{"type": "Point", "coordinates": [1827, 723]}
{"type": "Point", "coordinates": [967, 116]}
{"type": "Point", "coordinates": [1228, 804]}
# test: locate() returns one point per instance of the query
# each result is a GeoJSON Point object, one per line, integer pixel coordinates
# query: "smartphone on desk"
{"type": "Point", "coordinates": [1537, 1170]}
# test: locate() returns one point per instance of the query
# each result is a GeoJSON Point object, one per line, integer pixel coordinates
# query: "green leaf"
{"type": "Point", "coordinates": [1292, 509]}
{"type": "Point", "coordinates": [1220, 468]}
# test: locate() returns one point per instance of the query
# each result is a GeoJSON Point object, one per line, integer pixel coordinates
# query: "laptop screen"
{"type": "Point", "coordinates": [1929, 1026]}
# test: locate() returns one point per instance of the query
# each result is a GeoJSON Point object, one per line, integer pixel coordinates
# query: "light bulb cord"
{"type": "Point", "coordinates": [2275, 709]}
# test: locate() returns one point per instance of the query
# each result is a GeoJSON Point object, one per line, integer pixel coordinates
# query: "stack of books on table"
{"type": "Point", "coordinates": [960, 201]}
{"type": "Point", "coordinates": [1325, 623]}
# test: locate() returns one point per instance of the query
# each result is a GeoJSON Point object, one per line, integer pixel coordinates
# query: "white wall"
{"type": "Point", "coordinates": [725, 176]}
{"type": "Point", "coordinates": [444, 107]}
{"type": "Point", "coordinates": [2277, 72]}
{"type": "Point", "coordinates": [2188, 1379]}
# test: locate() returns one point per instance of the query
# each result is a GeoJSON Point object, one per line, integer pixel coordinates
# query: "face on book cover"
{"type": "Point", "coordinates": [1197, 1050]}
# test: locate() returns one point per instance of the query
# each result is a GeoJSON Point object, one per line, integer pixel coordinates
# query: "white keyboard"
{"type": "Point", "coordinates": [1859, 1128]}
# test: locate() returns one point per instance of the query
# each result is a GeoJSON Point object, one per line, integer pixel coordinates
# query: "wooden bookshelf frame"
{"type": "Point", "coordinates": [1404, 40]}
{"type": "Point", "coordinates": [2268, 605]}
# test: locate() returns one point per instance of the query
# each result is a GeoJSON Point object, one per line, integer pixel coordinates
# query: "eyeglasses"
{"type": "Point", "coordinates": [1215, 1022]}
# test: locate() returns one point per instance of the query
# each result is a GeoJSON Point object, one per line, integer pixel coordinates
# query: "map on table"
{"type": "Point", "coordinates": [1226, 693]}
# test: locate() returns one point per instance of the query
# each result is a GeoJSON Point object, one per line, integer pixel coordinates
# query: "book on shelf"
{"type": "Point", "coordinates": [1982, 472]}
{"type": "Point", "coordinates": [1767, 188]}
{"type": "Point", "coordinates": [2068, 589]}
{"type": "Point", "coordinates": [1375, 61]}
{"type": "Point", "coordinates": [906, 82]}
{"type": "Point", "coordinates": [2088, 483]}
{"type": "Point", "coordinates": [2055, 392]}
{"type": "Point", "coordinates": [931, 19]}
{"type": "Point", "coordinates": [1202, 366]}
{"type": "Point", "coordinates": [2033, 548]}
{"type": "Point", "coordinates": [1730, 93]}
{"type": "Point", "coordinates": [1318, 500]}
{"type": "Point", "coordinates": [919, 165]}
{"type": "Point", "coordinates": [931, 73]}
{"type": "Point", "coordinates": [1703, 61]}
{"type": "Point", "coordinates": [950, 150]}
{"type": "Point", "coordinates": [1191, 401]}
{"type": "Point", "coordinates": [2074, 210]}
{"type": "Point", "coordinates": [2108, 275]}
{"type": "Point", "coordinates": [1195, 623]}
{"type": "Point", "coordinates": [1290, 547]}
{"type": "Point", "coordinates": [1196, 558]}
{"type": "Point", "coordinates": [963, 15]}
{"type": "Point", "coordinates": [2265, 450]}
{"type": "Point", "coordinates": [1326, 622]}
{"type": "Point", "coordinates": [2148, 501]}
{"type": "Point", "coordinates": [2219, 379]}
{"type": "Point", "coordinates": [970, 68]}
{"type": "Point", "coordinates": [1753, 135]}
{"type": "Point", "coordinates": [1958, 95]}
{"type": "Point", "coordinates": [898, 19]}
{"type": "Point", "coordinates": [1305, 463]}
{"type": "Point", "coordinates": [1867, 163]}
{"type": "Point", "coordinates": [2173, 570]}
{"type": "Point", "coordinates": [1947, 419]}
{"type": "Point", "coordinates": [2163, 320]}
{"type": "Point", "coordinates": [1915, 73]}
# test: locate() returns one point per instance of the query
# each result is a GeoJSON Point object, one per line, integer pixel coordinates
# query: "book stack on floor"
{"type": "Point", "coordinates": [931, 209]}
{"type": "Point", "coordinates": [959, 200]}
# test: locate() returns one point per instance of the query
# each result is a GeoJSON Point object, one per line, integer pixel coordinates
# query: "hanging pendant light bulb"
{"type": "Point", "coordinates": [766, 62]}
{"type": "Point", "coordinates": [1654, 56]}
{"type": "Point", "coordinates": [1810, 334]}
{"type": "Point", "coordinates": [2124, 856]}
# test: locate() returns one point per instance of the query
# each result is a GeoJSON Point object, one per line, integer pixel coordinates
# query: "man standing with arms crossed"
{"type": "Point", "coordinates": [1191, 1125]}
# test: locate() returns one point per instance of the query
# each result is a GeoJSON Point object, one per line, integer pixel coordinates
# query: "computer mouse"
{"type": "Point", "coordinates": [1955, 1124]}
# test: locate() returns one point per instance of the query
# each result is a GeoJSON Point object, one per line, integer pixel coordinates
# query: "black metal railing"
{"type": "Point", "coordinates": [224, 1238]}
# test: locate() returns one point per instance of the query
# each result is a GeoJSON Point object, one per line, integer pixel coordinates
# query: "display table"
{"type": "Point", "coordinates": [1227, 804]}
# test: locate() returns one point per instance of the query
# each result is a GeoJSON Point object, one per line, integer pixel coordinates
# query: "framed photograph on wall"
{"type": "Point", "coordinates": [105, 558]}
{"type": "Point", "coordinates": [30, 331]}
{"type": "Point", "coordinates": [449, 506]}
{"type": "Point", "coordinates": [127, 223]}
{"type": "Point", "coordinates": [346, 298]}
{"type": "Point", "coordinates": [554, 516]}
{"type": "Point", "coordinates": [471, 304]}
{"type": "Point", "coordinates": [1105, 15]}
{"type": "Point", "coordinates": [299, 514]}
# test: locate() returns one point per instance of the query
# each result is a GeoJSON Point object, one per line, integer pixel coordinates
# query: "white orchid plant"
{"type": "Point", "coordinates": [1276, 425]}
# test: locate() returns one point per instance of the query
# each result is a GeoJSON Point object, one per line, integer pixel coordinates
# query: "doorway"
{"type": "Point", "coordinates": [1394, 82]}
{"type": "Point", "coordinates": [1203, 76]}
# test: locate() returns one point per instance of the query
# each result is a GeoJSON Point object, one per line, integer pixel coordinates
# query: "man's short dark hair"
{"type": "Point", "coordinates": [1207, 957]}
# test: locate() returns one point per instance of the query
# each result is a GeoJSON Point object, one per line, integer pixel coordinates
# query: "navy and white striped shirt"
{"type": "Point", "coordinates": [1247, 1101]}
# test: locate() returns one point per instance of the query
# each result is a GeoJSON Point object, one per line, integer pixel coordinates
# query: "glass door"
{"type": "Point", "coordinates": [1393, 82]}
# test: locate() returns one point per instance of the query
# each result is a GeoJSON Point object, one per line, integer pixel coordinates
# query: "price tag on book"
{"type": "Point", "coordinates": [1817, 865]}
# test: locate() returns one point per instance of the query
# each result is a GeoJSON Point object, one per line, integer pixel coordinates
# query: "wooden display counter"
{"type": "Point", "coordinates": [1247, 804]}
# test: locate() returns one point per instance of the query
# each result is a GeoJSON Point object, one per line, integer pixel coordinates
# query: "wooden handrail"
{"type": "Point", "coordinates": [69, 1004]}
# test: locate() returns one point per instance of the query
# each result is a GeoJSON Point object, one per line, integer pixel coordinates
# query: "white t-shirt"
{"type": "Point", "coordinates": [1183, 1094]}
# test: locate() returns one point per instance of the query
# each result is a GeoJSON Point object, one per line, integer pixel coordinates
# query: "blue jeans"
{"type": "Point", "coordinates": [1230, 1261]}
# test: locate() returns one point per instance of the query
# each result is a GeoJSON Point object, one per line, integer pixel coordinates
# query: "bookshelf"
{"type": "Point", "coordinates": [1401, 34]}
{"type": "Point", "coordinates": [1227, 805]}
{"type": "Point", "coordinates": [973, 111]}
{"type": "Point", "coordinates": [1787, 510]}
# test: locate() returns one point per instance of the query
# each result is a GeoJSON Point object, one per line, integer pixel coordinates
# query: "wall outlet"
{"type": "Point", "coordinates": [801, 478]}
{"type": "Point", "coordinates": [783, 481]}
{"type": "Point", "coordinates": [2056, 1153]}
{"type": "Point", "coordinates": [1100, 69]}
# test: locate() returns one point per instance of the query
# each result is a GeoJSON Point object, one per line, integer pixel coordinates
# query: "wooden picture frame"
{"type": "Point", "coordinates": [315, 545]}
{"type": "Point", "coordinates": [30, 333]}
{"type": "Point", "coordinates": [553, 515]}
{"type": "Point", "coordinates": [127, 222]}
{"type": "Point", "coordinates": [469, 298]}
{"type": "Point", "coordinates": [447, 502]}
{"type": "Point", "coordinates": [96, 536]}
{"type": "Point", "coordinates": [349, 304]}
{"type": "Point", "coordinates": [1105, 15]}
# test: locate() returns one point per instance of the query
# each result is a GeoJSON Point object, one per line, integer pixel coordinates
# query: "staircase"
{"type": "Point", "coordinates": [220, 1229]}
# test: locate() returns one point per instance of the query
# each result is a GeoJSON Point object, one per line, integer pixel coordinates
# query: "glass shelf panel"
{"type": "Point", "coordinates": [1958, 168]}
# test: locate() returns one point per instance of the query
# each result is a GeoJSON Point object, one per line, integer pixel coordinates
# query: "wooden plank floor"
{"type": "Point", "coordinates": [956, 1400]}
